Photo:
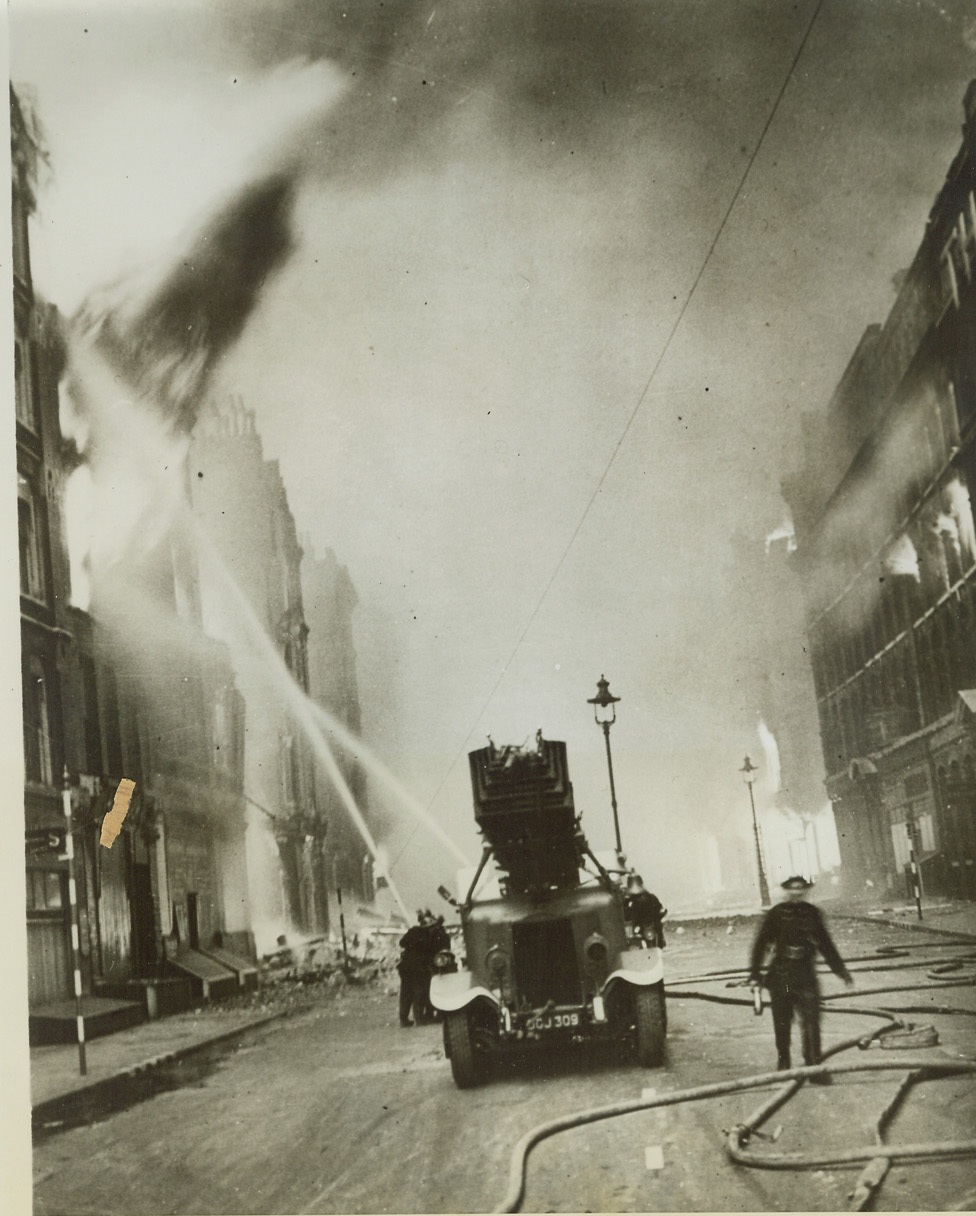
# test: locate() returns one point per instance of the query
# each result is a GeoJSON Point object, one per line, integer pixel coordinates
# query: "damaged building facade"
{"type": "Point", "coordinates": [887, 558]}
{"type": "Point", "coordinates": [99, 705]}
{"type": "Point", "coordinates": [180, 662]}
{"type": "Point", "coordinates": [44, 634]}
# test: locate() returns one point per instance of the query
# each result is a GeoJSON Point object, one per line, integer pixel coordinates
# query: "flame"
{"type": "Point", "coordinates": [902, 559]}
{"type": "Point", "coordinates": [961, 510]}
{"type": "Point", "coordinates": [785, 532]}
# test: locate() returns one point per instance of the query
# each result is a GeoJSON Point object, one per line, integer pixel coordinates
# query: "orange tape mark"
{"type": "Point", "coordinates": [112, 823]}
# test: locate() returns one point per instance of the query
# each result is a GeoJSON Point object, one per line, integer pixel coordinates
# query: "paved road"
{"type": "Point", "coordinates": [338, 1110]}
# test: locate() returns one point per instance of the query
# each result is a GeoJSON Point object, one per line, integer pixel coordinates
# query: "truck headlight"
{"type": "Point", "coordinates": [499, 965]}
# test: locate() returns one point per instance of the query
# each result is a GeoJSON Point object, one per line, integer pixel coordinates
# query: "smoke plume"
{"type": "Point", "coordinates": [166, 337]}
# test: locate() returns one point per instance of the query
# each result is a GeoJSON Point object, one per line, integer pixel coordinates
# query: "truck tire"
{"type": "Point", "coordinates": [650, 1018]}
{"type": "Point", "coordinates": [459, 1048]}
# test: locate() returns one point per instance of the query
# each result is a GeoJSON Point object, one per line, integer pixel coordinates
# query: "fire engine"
{"type": "Point", "coordinates": [550, 959]}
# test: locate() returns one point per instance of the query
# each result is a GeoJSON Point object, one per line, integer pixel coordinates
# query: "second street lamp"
{"type": "Point", "coordinates": [605, 713]}
{"type": "Point", "coordinates": [749, 771]}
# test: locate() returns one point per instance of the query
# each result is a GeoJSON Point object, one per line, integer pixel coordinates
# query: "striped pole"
{"type": "Point", "coordinates": [913, 865]}
{"type": "Point", "coordinates": [69, 848]}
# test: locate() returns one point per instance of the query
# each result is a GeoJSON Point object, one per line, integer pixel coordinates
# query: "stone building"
{"type": "Point", "coordinates": [887, 557]}
{"type": "Point", "coordinates": [251, 597]}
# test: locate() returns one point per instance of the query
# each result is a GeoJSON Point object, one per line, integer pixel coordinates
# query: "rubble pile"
{"type": "Point", "coordinates": [294, 977]}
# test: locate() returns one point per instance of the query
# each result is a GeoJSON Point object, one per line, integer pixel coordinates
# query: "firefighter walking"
{"type": "Point", "coordinates": [794, 932]}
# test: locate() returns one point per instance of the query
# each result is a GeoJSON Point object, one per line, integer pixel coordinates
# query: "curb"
{"type": "Point", "coordinates": [60, 1107]}
{"type": "Point", "coordinates": [913, 926]}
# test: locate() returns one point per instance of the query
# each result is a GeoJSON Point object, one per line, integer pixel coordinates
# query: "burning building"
{"type": "Point", "coordinates": [111, 690]}
{"type": "Point", "coordinates": [887, 558]}
{"type": "Point", "coordinates": [44, 631]}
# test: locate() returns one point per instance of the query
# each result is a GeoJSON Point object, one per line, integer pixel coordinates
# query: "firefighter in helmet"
{"type": "Point", "coordinates": [414, 971]}
{"type": "Point", "coordinates": [644, 911]}
{"type": "Point", "coordinates": [794, 931]}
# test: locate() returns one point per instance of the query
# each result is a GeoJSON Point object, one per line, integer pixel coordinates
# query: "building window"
{"type": "Point", "coordinates": [24, 383]}
{"type": "Point", "coordinates": [21, 243]}
{"type": "Point", "coordinates": [223, 744]}
{"type": "Point", "coordinates": [111, 737]}
{"type": "Point", "coordinates": [37, 737]}
{"type": "Point", "coordinates": [925, 833]}
{"type": "Point", "coordinates": [44, 891]}
{"type": "Point", "coordinates": [287, 753]}
{"type": "Point", "coordinates": [31, 563]}
{"type": "Point", "coordinates": [93, 734]}
{"type": "Point", "coordinates": [956, 259]}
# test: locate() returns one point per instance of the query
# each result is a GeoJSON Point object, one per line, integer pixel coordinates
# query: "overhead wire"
{"type": "Point", "coordinates": [635, 411]}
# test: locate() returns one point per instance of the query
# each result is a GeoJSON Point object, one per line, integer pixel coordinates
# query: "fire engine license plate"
{"type": "Point", "coordinates": [552, 1021]}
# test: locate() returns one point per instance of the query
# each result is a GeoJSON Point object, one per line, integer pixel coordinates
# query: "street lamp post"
{"type": "Point", "coordinates": [749, 771]}
{"type": "Point", "coordinates": [605, 713]}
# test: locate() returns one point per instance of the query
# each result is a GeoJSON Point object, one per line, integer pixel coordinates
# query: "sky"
{"type": "Point", "coordinates": [564, 280]}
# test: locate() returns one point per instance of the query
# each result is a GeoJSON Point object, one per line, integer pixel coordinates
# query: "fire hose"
{"type": "Point", "coordinates": [878, 1157]}
{"type": "Point", "coordinates": [516, 1184]}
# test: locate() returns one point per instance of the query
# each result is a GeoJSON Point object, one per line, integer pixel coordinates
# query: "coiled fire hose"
{"type": "Point", "coordinates": [877, 1157]}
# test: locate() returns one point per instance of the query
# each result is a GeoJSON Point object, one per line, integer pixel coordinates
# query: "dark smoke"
{"type": "Point", "coordinates": [542, 79]}
{"type": "Point", "coordinates": [167, 344]}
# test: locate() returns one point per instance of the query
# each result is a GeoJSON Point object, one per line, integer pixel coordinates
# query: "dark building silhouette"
{"type": "Point", "coordinates": [887, 556]}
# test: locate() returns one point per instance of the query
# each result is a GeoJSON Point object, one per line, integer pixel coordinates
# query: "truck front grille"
{"type": "Point", "coordinates": [545, 963]}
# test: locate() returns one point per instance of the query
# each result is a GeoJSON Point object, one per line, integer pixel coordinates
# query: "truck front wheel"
{"type": "Point", "coordinates": [460, 1049]}
{"type": "Point", "coordinates": [651, 1024]}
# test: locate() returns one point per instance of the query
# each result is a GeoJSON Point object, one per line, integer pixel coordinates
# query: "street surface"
{"type": "Point", "coordinates": [336, 1109]}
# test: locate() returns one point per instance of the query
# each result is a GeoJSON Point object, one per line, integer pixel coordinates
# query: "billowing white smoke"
{"type": "Point", "coordinates": [771, 753]}
{"type": "Point", "coordinates": [124, 498]}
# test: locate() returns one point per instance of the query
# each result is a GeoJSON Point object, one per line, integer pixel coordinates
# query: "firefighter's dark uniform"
{"type": "Point", "coordinates": [795, 932]}
{"type": "Point", "coordinates": [414, 974]}
{"type": "Point", "coordinates": [646, 912]}
{"type": "Point", "coordinates": [436, 940]}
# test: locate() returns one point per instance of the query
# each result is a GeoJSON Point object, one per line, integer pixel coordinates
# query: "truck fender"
{"type": "Point", "coordinates": [457, 990]}
{"type": "Point", "coordinates": [643, 967]}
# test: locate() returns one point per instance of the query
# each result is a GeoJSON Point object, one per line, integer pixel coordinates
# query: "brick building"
{"type": "Point", "coordinates": [887, 557]}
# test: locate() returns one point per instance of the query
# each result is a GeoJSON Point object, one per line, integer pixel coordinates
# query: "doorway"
{"type": "Point", "coordinates": [192, 920]}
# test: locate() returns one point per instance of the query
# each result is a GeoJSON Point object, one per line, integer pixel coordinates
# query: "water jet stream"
{"type": "Point", "coordinates": [385, 777]}
{"type": "Point", "coordinates": [154, 457]}
{"type": "Point", "coordinates": [279, 680]}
